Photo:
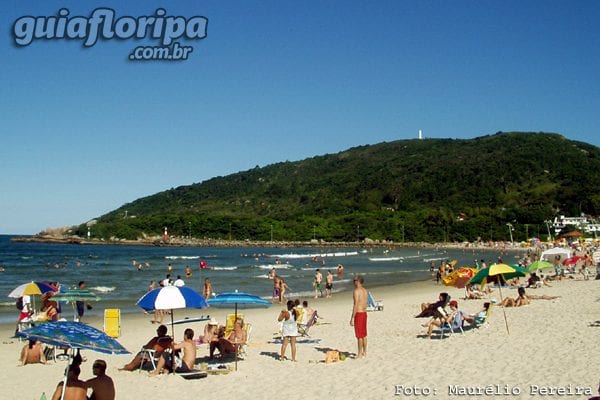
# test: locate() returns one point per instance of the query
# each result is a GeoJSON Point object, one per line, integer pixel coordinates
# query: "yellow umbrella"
{"type": "Point", "coordinates": [459, 277]}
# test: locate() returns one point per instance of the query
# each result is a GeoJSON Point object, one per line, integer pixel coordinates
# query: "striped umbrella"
{"type": "Point", "coordinates": [27, 289]}
{"type": "Point", "coordinates": [170, 298]}
{"type": "Point", "coordinates": [74, 295]}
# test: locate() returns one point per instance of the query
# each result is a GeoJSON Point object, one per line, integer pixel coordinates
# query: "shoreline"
{"type": "Point", "coordinates": [175, 242]}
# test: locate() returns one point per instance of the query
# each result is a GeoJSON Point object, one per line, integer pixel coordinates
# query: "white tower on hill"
{"type": "Point", "coordinates": [420, 134]}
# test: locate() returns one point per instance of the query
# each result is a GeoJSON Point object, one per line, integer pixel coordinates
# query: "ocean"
{"type": "Point", "coordinates": [109, 270]}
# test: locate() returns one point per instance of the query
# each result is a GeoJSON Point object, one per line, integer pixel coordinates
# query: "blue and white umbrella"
{"type": "Point", "coordinates": [170, 298]}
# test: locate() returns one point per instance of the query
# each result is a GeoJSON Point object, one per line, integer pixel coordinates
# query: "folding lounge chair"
{"type": "Point", "coordinates": [304, 328]}
{"type": "Point", "coordinates": [112, 322]}
{"type": "Point", "coordinates": [230, 321]}
{"type": "Point", "coordinates": [457, 323]}
{"type": "Point", "coordinates": [150, 356]}
{"type": "Point", "coordinates": [241, 352]}
{"type": "Point", "coordinates": [483, 321]}
{"type": "Point", "coordinates": [372, 304]}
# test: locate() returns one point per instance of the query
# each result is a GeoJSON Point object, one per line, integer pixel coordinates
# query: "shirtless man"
{"type": "Point", "coordinates": [328, 284]}
{"type": "Point", "coordinates": [359, 315]}
{"type": "Point", "coordinates": [103, 387]}
{"type": "Point", "coordinates": [189, 355]}
{"type": "Point", "coordinates": [318, 283]}
{"type": "Point", "coordinates": [76, 389]}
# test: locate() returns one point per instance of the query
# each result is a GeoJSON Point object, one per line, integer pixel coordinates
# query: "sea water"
{"type": "Point", "coordinates": [110, 272]}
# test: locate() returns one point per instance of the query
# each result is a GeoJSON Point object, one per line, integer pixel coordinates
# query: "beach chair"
{"type": "Point", "coordinates": [483, 320]}
{"type": "Point", "coordinates": [241, 351]}
{"type": "Point", "coordinates": [457, 323]}
{"type": "Point", "coordinates": [230, 321]}
{"type": "Point", "coordinates": [112, 322]}
{"type": "Point", "coordinates": [372, 304]}
{"type": "Point", "coordinates": [150, 356]}
{"type": "Point", "coordinates": [304, 328]}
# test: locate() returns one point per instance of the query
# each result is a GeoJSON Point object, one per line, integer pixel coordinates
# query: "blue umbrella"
{"type": "Point", "coordinates": [75, 335]}
{"type": "Point", "coordinates": [170, 298]}
{"type": "Point", "coordinates": [238, 300]}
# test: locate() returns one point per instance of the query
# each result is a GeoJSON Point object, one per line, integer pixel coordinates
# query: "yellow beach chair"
{"type": "Point", "coordinates": [112, 322]}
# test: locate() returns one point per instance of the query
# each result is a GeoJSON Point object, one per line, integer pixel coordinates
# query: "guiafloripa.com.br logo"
{"type": "Point", "coordinates": [102, 24]}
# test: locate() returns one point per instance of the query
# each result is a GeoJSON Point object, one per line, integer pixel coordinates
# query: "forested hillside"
{"type": "Point", "coordinates": [406, 190]}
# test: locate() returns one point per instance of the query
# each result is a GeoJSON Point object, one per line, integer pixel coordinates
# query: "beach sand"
{"type": "Point", "coordinates": [552, 344]}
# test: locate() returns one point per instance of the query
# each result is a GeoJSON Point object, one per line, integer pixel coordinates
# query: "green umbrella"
{"type": "Point", "coordinates": [534, 266]}
{"type": "Point", "coordinates": [509, 272]}
{"type": "Point", "coordinates": [505, 272]}
{"type": "Point", "coordinates": [74, 295]}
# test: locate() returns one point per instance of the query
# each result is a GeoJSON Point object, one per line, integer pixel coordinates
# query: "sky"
{"type": "Point", "coordinates": [85, 130]}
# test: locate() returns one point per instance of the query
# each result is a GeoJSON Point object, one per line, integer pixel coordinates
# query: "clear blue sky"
{"type": "Point", "coordinates": [85, 130]}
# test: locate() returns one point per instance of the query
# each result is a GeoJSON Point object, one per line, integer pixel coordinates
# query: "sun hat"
{"type": "Point", "coordinates": [213, 321]}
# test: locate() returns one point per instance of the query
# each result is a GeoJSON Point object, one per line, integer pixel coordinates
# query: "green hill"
{"type": "Point", "coordinates": [406, 190]}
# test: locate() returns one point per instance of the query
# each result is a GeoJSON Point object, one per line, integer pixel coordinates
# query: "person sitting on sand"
{"type": "Point", "coordinates": [159, 343]}
{"type": "Point", "coordinates": [236, 338]}
{"type": "Point", "coordinates": [187, 360]}
{"type": "Point", "coordinates": [520, 300]}
{"type": "Point", "coordinates": [75, 390]}
{"type": "Point", "coordinates": [471, 293]}
{"type": "Point", "coordinates": [33, 353]}
{"type": "Point", "coordinates": [211, 332]}
{"type": "Point", "coordinates": [103, 387]}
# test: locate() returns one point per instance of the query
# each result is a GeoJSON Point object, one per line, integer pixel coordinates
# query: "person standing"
{"type": "Point", "coordinates": [359, 315]}
{"type": "Point", "coordinates": [328, 284]}
{"type": "Point", "coordinates": [81, 305]}
{"type": "Point", "coordinates": [207, 290]}
{"type": "Point", "coordinates": [289, 329]}
{"type": "Point", "coordinates": [340, 272]}
{"type": "Point", "coordinates": [318, 283]}
{"type": "Point", "coordinates": [103, 387]}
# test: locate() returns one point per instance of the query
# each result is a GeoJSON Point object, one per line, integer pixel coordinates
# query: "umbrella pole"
{"type": "Point", "coordinates": [71, 358]}
{"type": "Point", "coordinates": [503, 310]}
{"type": "Point", "coordinates": [236, 350]}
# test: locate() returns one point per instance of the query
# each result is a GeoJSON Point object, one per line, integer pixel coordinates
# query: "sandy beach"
{"type": "Point", "coordinates": [552, 348]}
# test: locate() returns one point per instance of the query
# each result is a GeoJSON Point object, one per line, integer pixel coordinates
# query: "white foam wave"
{"type": "Point", "coordinates": [385, 258]}
{"type": "Point", "coordinates": [276, 266]}
{"type": "Point", "coordinates": [103, 289]}
{"type": "Point", "coordinates": [317, 255]}
{"type": "Point", "coordinates": [182, 257]}
{"type": "Point", "coordinates": [224, 268]}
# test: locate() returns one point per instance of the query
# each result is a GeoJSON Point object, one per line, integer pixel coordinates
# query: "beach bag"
{"type": "Point", "coordinates": [19, 303]}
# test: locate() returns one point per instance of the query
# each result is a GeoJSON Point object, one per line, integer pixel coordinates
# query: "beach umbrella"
{"type": "Point", "coordinates": [74, 335]}
{"type": "Point", "coordinates": [170, 298]}
{"type": "Point", "coordinates": [74, 295]}
{"type": "Point", "coordinates": [503, 271]}
{"type": "Point", "coordinates": [31, 288]}
{"type": "Point", "coordinates": [459, 277]}
{"type": "Point", "coordinates": [487, 275]}
{"type": "Point", "coordinates": [238, 300]}
{"type": "Point", "coordinates": [534, 266]}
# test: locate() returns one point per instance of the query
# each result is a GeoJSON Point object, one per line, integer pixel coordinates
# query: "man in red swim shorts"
{"type": "Point", "coordinates": [359, 315]}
